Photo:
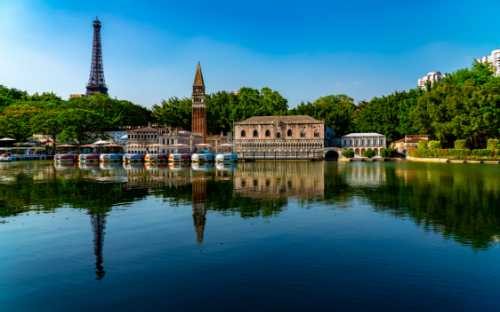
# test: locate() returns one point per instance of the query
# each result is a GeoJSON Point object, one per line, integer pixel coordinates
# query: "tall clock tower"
{"type": "Point", "coordinates": [199, 112]}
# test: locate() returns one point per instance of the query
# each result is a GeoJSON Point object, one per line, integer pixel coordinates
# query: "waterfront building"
{"type": "Point", "coordinates": [360, 142]}
{"type": "Point", "coordinates": [172, 136]}
{"type": "Point", "coordinates": [96, 83]}
{"type": "Point", "coordinates": [140, 140]}
{"type": "Point", "coordinates": [116, 135]}
{"type": "Point", "coordinates": [281, 137]}
{"type": "Point", "coordinates": [409, 141]}
{"type": "Point", "coordinates": [494, 59]}
{"type": "Point", "coordinates": [431, 78]}
{"type": "Point", "coordinates": [143, 140]}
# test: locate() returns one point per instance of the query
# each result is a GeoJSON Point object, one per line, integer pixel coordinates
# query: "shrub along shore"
{"type": "Point", "coordinates": [460, 152]}
{"type": "Point", "coordinates": [455, 153]}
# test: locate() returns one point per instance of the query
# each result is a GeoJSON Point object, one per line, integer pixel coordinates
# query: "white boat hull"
{"type": "Point", "coordinates": [226, 157]}
{"type": "Point", "coordinates": [202, 157]}
{"type": "Point", "coordinates": [111, 157]}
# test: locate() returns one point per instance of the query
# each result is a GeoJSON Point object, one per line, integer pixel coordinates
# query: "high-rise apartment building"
{"type": "Point", "coordinates": [431, 78]}
{"type": "Point", "coordinates": [494, 59]}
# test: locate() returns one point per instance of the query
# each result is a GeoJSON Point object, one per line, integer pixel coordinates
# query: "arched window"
{"type": "Point", "coordinates": [289, 133]}
{"type": "Point", "coordinates": [268, 133]}
{"type": "Point", "coordinates": [303, 134]}
{"type": "Point", "coordinates": [255, 133]}
{"type": "Point", "coordinates": [316, 133]}
{"type": "Point", "coordinates": [243, 133]}
{"type": "Point", "coordinates": [278, 135]}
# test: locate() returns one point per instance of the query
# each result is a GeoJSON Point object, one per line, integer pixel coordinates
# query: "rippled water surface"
{"type": "Point", "coordinates": [267, 236]}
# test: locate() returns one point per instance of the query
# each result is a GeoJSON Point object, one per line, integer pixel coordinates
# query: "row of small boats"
{"type": "Point", "coordinates": [21, 157]}
{"type": "Point", "coordinates": [206, 167]}
{"type": "Point", "coordinates": [148, 158]}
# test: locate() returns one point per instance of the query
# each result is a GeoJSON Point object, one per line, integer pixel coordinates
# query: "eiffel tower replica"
{"type": "Point", "coordinates": [96, 84]}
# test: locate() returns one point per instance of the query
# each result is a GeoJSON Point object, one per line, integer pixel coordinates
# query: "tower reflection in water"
{"type": "Point", "coordinates": [199, 207]}
{"type": "Point", "coordinates": [98, 221]}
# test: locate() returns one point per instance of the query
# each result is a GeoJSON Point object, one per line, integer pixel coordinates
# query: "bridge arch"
{"type": "Point", "coordinates": [332, 152]}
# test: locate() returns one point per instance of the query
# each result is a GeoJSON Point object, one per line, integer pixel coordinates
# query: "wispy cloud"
{"type": "Point", "coordinates": [339, 84]}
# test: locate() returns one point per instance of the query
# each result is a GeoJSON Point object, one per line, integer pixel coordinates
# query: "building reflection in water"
{"type": "Point", "coordinates": [303, 180]}
{"type": "Point", "coordinates": [199, 207]}
{"type": "Point", "coordinates": [98, 221]}
{"type": "Point", "coordinates": [360, 174]}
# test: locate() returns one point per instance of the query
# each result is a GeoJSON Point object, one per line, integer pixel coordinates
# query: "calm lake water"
{"type": "Point", "coordinates": [267, 236]}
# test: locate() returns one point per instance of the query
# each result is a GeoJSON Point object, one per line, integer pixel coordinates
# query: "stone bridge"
{"type": "Point", "coordinates": [332, 152]}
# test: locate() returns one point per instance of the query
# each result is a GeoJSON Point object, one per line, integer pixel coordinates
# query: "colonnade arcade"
{"type": "Point", "coordinates": [258, 145]}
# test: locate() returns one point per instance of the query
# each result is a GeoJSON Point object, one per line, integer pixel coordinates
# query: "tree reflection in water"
{"type": "Point", "coordinates": [457, 200]}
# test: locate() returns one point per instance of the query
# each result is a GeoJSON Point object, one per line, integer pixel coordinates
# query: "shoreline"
{"type": "Point", "coordinates": [453, 160]}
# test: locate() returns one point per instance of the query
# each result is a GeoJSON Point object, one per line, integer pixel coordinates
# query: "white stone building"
{"type": "Point", "coordinates": [494, 59]}
{"type": "Point", "coordinates": [360, 142]}
{"type": "Point", "coordinates": [431, 77]}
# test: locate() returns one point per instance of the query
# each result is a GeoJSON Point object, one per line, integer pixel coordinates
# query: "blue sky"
{"type": "Point", "coordinates": [303, 49]}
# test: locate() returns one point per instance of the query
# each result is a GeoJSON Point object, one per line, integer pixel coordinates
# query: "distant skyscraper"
{"type": "Point", "coordinates": [199, 112]}
{"type": "Point", "coordinates": [96, 84]}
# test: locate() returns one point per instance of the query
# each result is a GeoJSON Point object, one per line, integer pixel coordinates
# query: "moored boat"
{"type": "Point", "coordinates": [88, 157]}
{"type": "Point", "coordinates": [71, 157]}
{"type": "Point", "coordinates": [127, 158]}
{"type": "Point", "coordinates": [111, 157]}
{"type": "Point", "coordinates": [202, 157]}
{"type": "Point", "coordinates": [179, 158]}
{"type": "Point", "coordinates": [226, 157]}
{"type": "Point", "coordinates": [156, 158]}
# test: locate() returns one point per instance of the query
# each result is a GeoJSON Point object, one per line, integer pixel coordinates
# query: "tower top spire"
{"type": "Point", "coordinates": [198, 78]}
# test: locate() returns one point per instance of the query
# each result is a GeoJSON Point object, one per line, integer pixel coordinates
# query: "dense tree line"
{"type": "Point", "coordinates": [222, 109]}
{"type": "Point", "coordinates": [22, 115]}
{"type": "Point", "coordinates": [465, 105]}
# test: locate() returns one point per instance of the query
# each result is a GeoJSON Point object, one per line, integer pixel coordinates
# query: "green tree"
{"type": "Point", "coordinates": [15, 121]}
{"type": "Point", "coordinates": [81, 126]}
{"type": "Point", "coordinates": [338, 112]}
{"type": "Point", "coordinates": [369, 153]}
{"type": "Point", "coordinates": [173, 112]}
{"type": "Point", "coordinates": [389, 115]}
{"type": "Point", "coordinates": [480, 73]}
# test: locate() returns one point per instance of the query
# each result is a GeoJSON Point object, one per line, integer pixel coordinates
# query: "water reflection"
{"type": "Point", "coordinates": [98, 221]}
{"type": "Point", "coordinates": [199, 207]}
{"type": "Point", "coordinates": [280, 179]}
{"type": "Point", "coordinates": [459, 201]}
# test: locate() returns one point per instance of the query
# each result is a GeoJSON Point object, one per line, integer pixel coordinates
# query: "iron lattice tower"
{"type": "Point", "coordinates": [199, 112]}
{"type": "Point", "coordinates": [96, 84]}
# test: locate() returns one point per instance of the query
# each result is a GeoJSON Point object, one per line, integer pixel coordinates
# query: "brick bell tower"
{"type": "Point", "coordinates": [199, 112]}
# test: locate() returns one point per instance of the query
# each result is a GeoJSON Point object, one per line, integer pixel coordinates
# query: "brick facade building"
{"type": "Point", "coordinates": [281, 137]}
